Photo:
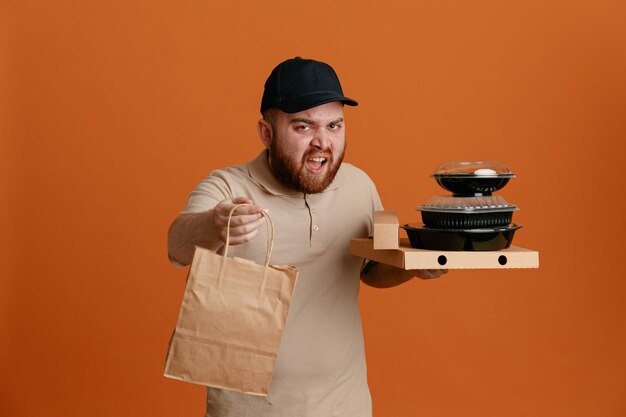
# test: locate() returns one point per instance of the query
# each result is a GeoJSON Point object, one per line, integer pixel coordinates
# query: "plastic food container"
{"type": "Point", "coordinates": [472, 178]}
{"type": "Point", "coordinates": [467, 212]}
{"type": "Point", "coordinates": [487, 239]}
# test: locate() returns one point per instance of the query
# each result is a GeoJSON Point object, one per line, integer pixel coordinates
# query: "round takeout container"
{"type": "Point", "coordinates": [467, 212]}
{"type": "Point", "coordinates": [472, 178]}
{"type": "Point", "coordinates": [466, 221]}
{"type": "Point", "coordinates": [486, 239]}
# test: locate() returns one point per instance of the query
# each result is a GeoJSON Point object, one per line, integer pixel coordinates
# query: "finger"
{"type": "Point", "coordinates": [223, 209]}
{"type": "Point", "coordinates": [239, 220]}
{"type": "Point", "coordinates": [236, 233]}
{"type": "Point", "coordinates": [426, 273]}
{"type": "Point", "coordinates": [229, 203]}
{"type": "Point", "coordinates": [241, 200]}
{"type": "Point", "coordinates": [243, 238]}
{"type": "Point", "coordinates": [420, 273]}
{"type": "Point", "coordinates": [246, 228]}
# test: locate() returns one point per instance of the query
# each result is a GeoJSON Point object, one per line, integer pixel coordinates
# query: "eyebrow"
{"type": "Point", "coordinates": [312, 122]}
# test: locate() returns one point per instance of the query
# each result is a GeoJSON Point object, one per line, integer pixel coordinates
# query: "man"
{"type": "Point", "coordinates": [318, 204]}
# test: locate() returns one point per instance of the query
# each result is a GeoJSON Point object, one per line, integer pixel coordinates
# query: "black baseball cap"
{"type": "Point", "coordinates": [298, 84]}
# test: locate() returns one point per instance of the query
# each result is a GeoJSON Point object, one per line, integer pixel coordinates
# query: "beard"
{"type": "Point", "coordinates": [296, 176]}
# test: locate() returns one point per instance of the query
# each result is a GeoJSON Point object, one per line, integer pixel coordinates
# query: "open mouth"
{"type": "Point", "coordinates": [316, 163]}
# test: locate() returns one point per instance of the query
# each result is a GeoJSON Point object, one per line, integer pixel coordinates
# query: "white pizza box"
{"type": "Point", "coordinates": [406, 257]}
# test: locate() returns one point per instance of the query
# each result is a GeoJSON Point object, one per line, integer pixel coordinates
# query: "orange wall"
{"type": "Point", "coordinates": [112, 111]}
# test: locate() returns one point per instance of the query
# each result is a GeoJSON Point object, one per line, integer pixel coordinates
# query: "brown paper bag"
{"type": "Point", "coordinates": [231, 320]}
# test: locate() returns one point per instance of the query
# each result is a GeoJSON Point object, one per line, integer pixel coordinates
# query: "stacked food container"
{"type": "Point", "coordinates": [471, 219]}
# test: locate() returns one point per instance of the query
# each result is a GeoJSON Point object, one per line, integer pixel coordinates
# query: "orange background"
{"type": "Point", "coordinates": [112, 111]}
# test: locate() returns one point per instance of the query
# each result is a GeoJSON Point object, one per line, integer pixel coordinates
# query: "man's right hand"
{"type": "Point", "coordinates": [245, 222]}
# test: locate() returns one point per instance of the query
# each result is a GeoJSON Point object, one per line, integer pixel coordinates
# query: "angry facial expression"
{"type": "Point", "coordinates": [306, 148]}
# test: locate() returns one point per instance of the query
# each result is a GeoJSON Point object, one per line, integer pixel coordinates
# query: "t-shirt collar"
{"type": "Point", "coordinates": [259, 169]}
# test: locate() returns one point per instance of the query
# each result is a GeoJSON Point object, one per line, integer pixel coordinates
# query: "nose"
{"type": "Point", "coordinates": [321, 139]}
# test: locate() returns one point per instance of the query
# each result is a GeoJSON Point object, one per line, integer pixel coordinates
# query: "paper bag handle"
{"type": "Point", "coordinates": [270, 235]}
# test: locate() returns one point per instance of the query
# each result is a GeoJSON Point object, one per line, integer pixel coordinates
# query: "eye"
{"type": "Point", "coordinates": [302, 127]}
{"type": "Point", "coordinates": [334, 126]}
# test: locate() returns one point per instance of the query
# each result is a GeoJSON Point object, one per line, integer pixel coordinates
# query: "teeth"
{"type": "Point", "coordinates": [318, 159]}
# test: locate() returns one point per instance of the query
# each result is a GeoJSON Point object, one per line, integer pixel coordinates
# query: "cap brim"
{"type": "Point", "coordinates": [313, 100]}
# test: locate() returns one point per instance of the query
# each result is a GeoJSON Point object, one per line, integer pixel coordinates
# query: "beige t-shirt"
{"type": "Point", "coordinates": [320, 368]}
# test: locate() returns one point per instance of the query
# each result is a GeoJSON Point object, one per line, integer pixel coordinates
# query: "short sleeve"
{"type": "Point", "coordinates": [208, 193]}
{"type": "Point", "coordinates": [378, 205]}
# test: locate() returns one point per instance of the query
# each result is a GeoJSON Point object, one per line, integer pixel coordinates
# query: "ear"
{"type": "Point", "coordinates": [265, 132]}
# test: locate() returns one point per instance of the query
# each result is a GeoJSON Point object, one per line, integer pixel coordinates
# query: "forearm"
{"type": "Point", "coordinates": [385, 276]}
{"type": "Point", "coordinates": [190, 230]}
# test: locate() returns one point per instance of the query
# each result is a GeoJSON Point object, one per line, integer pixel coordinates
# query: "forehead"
{"type": "Point", "coordinates": [324, 113]}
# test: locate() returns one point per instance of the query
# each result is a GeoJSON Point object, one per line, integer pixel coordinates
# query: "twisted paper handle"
{"type": "Point", "coordinates": [270, 235]}
{"type": "Point", "coordinates": [268, 253]}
